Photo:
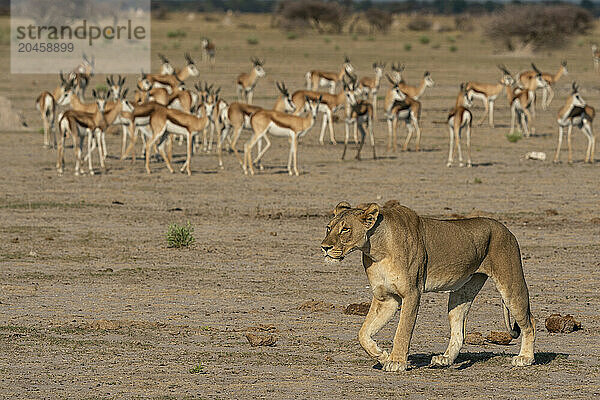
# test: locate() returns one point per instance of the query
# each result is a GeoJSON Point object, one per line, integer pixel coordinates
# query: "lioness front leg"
{"type": "Point", "coordinates": [398, 359]}
{"type": "Point", "coordinates": [380, 312]}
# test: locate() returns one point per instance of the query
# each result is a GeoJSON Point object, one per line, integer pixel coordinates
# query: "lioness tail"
{"type": "Point", "coordinates": [516, 330]}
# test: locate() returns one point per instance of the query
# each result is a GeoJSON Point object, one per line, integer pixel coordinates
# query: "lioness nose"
{"type": "Point", "coordinates": [326, 248]}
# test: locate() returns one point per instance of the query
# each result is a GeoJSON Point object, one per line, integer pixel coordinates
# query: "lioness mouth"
{"type": "Point", "coordinates": [340, 258]}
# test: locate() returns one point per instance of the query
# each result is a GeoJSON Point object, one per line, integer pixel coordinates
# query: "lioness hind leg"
{"type": "Point", "coordinates": [507, 273]}
{"type": "Point", "coordinates": [459, 304]}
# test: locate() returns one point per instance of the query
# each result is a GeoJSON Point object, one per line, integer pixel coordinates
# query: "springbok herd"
{"type": "Point", "coordinates": [164, 109]}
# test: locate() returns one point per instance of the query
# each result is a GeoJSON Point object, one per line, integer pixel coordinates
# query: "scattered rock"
{"type": "Point", "coordinates": [117, 202]}
{"type": "Point", "coordinates": [15, 240]}
{"type": "Point", "coordinates": [174, 209]}
{"type": "Point", "coordinates": [261, 340]}
{"type": "Point", "coordinates": [551, 211]}
{"type": "Point", "coordinates": [357, 308]}
{"type": "Point", "coordinates": [273, 233]}
{"type": "Point", "coordinates": [33, 253]}
{"type": "Point", "coordinates": [262, 328]}
{"type": "Point", "coordinates": [556, 323]}
{"type": "Point", "coordinates": [475, 338]}
{"type": "Point", "coordinates": [536, 155]}
{"type": "Point", "coordinates": [595, 220]}
{"type": "Point", "coordinates": [503, 338]}
{"type": "Point", "coordinates": [315, 306]}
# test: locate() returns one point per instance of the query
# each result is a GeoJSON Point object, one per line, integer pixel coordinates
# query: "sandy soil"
{"type": "Point", "coordinates": [94, 305]}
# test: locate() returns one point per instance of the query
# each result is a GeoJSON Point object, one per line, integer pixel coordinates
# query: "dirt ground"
{"type": "Point", "coordinates": [94, 305]}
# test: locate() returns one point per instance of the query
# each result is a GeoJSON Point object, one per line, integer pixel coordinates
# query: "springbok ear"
{"type": "Point", "coordinates": [370, 214]}
{"type": "Point", "coordinates": [342, 206]}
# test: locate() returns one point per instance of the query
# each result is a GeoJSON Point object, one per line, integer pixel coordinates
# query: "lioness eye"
{"type": "Point", "coordinates": [345, 229]}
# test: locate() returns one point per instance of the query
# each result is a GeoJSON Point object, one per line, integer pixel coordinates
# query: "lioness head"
{"type": "Point", "coordinates": [347, 231]}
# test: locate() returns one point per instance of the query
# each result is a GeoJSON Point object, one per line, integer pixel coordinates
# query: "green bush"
{"type": "Point", "coordinates": [514, 136]}
{"type": "Point", "coordinates": [424, 40]}
{"type": "Point", "coordinates": [179, 236]}
{"type": "Point", "coordinates": [407, 46]}
{"type": "Point", "coordinates": [198, 369]}
{"type": "Point", "coordinates": [252, 40]}
{"type": "Point", "coordinates": [292, 36]}
{"type": "Point", "coordinates": [453, 48]}
{"type": "Point", "coordinates": [179, 33]}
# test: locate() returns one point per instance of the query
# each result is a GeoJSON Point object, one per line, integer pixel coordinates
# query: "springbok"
{"type": "Point", "coordinates": [576, 112]}
{"type": "Point", "coordinates": [460, 118]}
{"type": "Point", "coordinates": [166, 67]}
{"type": "Point", "coordinates": [360, 113]}
{"type": "Point", "coordinates": [521, 103]}
{"type": "Point", "coordinates": [171, 81]}
{"type": "Point", "coordinates": [317, 78]}
{"type": "Point", "coordinates": [71, 121]}
{"type": "Point", "coordinates": [596, 57]}
{"type": "Point", "coordinates": [415, 92]}
{"type": "Point", "coordinates": [247, 82]}
{"type": "Point", "coordinates": [400, 107]}
{"type": "Point", "coordinates": [525, 78]}
{"type": "Point", "coordinates": [208, 50]}
{"type": "Point", "coordinates": [371, 85]}
{"type": "Point", "coordinates": [488, 93]}
{"type": "Point", "coordinates": [279, 124]}
{"type": "Point", "coordinates": [46, 104]}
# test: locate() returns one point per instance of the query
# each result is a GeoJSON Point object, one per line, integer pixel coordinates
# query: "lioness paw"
{"type": "Point", "coordinates": [440, 361]}
{"type": "Point", "coordinates": [394, 366]}
{"type": "Point", "coordinates": [522, 361]}
{"type": "Point", "coordinates": [383, 357]}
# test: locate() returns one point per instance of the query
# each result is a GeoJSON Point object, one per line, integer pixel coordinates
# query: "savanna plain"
{"type": "Point", "coordinates": [94, 305]}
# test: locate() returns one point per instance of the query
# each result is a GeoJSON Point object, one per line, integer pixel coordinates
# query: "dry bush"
{"type": "Point", "coordinates": [323, 16]}
{"type": "Point", "coordinates": [538, 26]}
{"type": "Point", "coordinates": [378, 20]}
{"type": "Point", "coordinates": [420, 23]}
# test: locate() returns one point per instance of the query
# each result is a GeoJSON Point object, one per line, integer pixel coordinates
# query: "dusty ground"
{"type": "Point", "coordinates": [93, 304]}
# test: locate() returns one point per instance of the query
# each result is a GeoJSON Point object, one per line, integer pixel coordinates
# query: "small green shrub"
{"type": "Point", "coordinates": [327, 40]}
{"type": "Point", "coordinates": [477, 180]}
{"type": "Point", "coordinates": [407, 46]}
{"type": "Point", "coordinates": [198, 369]}
{"type": "Point", "coordinates": [514, 136]}
{"type": "Point", "coordinates": [337, 47]}
{"type": "Point", "coordinates": [424, 40]}
{"type": "Point", "coordinates": [179, 33]}
{"type": "Point", "coordinates": [451, 39]}
{"type": "Point", "coordinates": [355, 37]}
{"type": "Point", "coordinates": [371, 38]}
{"type": "Point", "coordinates": [252, 40]}
{"type": "Point", "coordinates": [292, 36]}
{"type": "Point", "coordinates": [179, 236]}
{"type": "Point", "coordinates": [453, 49]}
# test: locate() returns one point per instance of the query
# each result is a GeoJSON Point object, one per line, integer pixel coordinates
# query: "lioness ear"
{"type": "Point", "coordinates": [369, 216]}
{"type": "Point", "coordinates": [342, 206]}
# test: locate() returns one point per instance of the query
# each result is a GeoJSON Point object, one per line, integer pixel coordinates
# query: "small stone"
{"type": "Point", "coordinates": [475, 338]}
{"type": "Point", "coordinates": [556, 323]}
{"type": "Point", "coordinates": [502, 338]}
{"type": "Point", "coordinates": [357, 308]}
{"type": "Point", "coordinates": [261, 340]}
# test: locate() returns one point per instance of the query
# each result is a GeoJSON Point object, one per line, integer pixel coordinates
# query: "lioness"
{"type": "Point", "coordinates": [405, 255]}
